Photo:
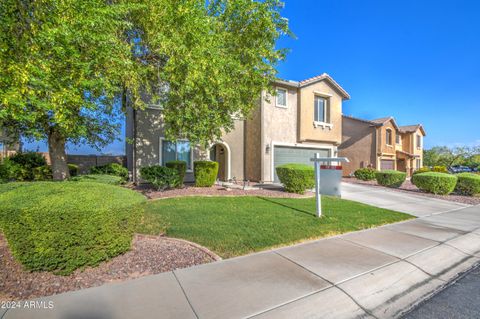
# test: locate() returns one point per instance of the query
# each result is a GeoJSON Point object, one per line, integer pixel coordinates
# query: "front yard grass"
{"type": "Point", "coordinates": [233, 226]}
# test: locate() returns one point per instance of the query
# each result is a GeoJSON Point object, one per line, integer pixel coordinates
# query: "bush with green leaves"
{"type": "Point", "coordinates": [63, 226]}
{"type": "Point", "coordinates": [11, 171]}
{"type": "Point", "coordinates": [422, 170]}
{"type": "Point", "coordinates": [296, 178]}
{"type": "Point", "coordinates": [160, 176]}
{"type": "Point", "coordinates": [99, 178]}
{"type": "Point", "coordinates": [365, 174]}
{"type": "Point", "coordinates": [440, 169]}
{"type": "Point", "coordinates": [73, 169]}
{"type": "Point", "coordinates": [468, 184]}
{"type": "Point", "coordinates": [180, 167]}
{"type": "Point", "coordinates": [111, 169]}
{"type": "Point", "coordinates": [205, 173]}
{"type": "Point", "coordinates": [25, 162]}
{"type": "Point", "coordinates": [390, 178]}
{"type": "Point", "coordinates": [435, 182]}
{"type": "Point", "coordinates": [42, 173]}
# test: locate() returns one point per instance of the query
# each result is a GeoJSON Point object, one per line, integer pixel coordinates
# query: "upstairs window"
{"type": "Point", "coordinates": [321, 112]}
{"type": "Point", "coordinates": [419, 142]}
{"type": "Point", "coordinates": [281, 98]}
{"type": "Point", "coordinates": [388, 137]}
{"type": "Point", "coordinates": [397, 139]}
{"type": "Point", "coordinates": [176, 151]}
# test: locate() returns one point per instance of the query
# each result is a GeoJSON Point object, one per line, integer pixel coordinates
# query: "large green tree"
{"type": "Point", "coordinates": [67, 67]}
{"type": "Point", "coordinates": [62, 66]}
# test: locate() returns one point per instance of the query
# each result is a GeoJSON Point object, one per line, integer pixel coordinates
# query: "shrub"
{"type": "Point", "coordinates": [180, 167]}
{"type": "Point", "coordinates": [365, 174]}
{"type": "Point", "coordinates": [422, 170]}
{"type": "Point", "coordinates": [62, 226]}
{"type": "Point", "coordinates": [26, 163]}
{"type": "Point", "coordinates": [390, 178]}
{"type": "Point", "coordinates": [111, 169]}
{"type": "Point", "coordinates": [42, 173]}
{"type": "Point", "coordinates": [73, 169]}
{"type": "Point", "coordinates": [99, 178]}
{"type": "Point", "coordinates": [205, 173]}
{"type": "Point", "coordinates": [440, 169]}
{"type": "Point", "coordinates": [11, 171]}
{"type": "Point", "coordinates": [296, 178]}
{"type": "Point", "coordinates": [28, 159]}
{"type": "Point", "coordinates": [434, 182]}
{"type": "Point", "coordinates": [160, 176]}
{"type": "Point", "coordinates": [468, 184]}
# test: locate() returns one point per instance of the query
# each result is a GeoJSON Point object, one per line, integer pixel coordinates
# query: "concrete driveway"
{"type": "Point", "coordinates": [412, 204]}
{"type": "Point", "coordinates": [376, 273]}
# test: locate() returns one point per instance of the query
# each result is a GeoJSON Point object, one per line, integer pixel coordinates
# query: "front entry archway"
{"type": "Point", "coordinates": [220, 152]}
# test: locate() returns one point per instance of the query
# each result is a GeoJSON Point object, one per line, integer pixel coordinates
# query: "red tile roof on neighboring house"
{"type": "Point", "coordinates": [411, 128]}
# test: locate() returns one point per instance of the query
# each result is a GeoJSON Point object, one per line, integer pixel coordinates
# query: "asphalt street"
{"type": "Point", "coordinates": [459, 300]}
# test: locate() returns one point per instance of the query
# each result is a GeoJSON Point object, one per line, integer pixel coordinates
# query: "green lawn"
{"type": "Point", "coordinates": [232, 226]}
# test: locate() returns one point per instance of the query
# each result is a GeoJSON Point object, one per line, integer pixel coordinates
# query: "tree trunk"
{"type": "Point", "coordinates": [58, 156]}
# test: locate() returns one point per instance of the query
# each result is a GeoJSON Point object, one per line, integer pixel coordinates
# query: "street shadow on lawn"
{"type": "Point", "coordinates": [271, 200]}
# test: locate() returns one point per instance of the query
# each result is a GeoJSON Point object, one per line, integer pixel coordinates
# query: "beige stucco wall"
{"type": "Point", "coordinates": [147, 143]}
{"type": "Point", "coordinates": [279, 126]}
{"type": "Point", "coordinates": [234, 140]}
{"type": "Point", "coordinates": [358, 145]}
{"type": "Point", "coordinates": [307, 130]}
{"type": "Point", "coordinates": [253, 142]}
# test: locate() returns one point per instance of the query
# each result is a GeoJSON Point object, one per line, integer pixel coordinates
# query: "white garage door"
{"type": "Point", "coordinates": [287, 155]}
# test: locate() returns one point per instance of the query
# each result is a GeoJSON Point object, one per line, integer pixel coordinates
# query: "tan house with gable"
{"type": "Point", "coordinates": [381, 144]}
{"type": "Point", "coordinates": [302, 119]}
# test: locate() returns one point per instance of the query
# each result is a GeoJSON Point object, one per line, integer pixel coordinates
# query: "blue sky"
{"type": "Point", "coordinates": [418, 61]}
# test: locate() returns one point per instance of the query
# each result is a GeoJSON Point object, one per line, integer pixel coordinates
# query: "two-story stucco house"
{"type": "Point", "coordinates": [302, 119]}
{"type": "Point", "coordinates": [381, 144]}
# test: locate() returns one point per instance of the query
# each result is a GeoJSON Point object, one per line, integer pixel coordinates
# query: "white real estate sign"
{"type": "Point", "coordinates": [328, 178]}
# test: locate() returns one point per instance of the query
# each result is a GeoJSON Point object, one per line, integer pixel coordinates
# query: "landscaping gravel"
{"type": "Point", "coordinates": [218, 191]}
{"type": "Point", "coordinates": [149, 255]}
{"type": "Point", "coordinates": [408, 187]}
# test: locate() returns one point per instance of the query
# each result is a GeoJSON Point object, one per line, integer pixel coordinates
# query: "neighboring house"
{"type": "Point", "coordinates": [8, 144]}
{"type": "Point", "coordinates": [303, 118]}
{"type": "Point", "coordinates": [381, 144]}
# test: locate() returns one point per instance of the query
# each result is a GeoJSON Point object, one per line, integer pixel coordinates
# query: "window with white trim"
{"type": "Point", "coordinates": [321, 110]}
{"type": "Point", "coordinates": [419, 141]}
{"type": "Point", "coordinates": [176, 151]}
{"type": "Point", "coordinates": [388, 136]}
{"type": "Point", "coordinates": [281, 98]}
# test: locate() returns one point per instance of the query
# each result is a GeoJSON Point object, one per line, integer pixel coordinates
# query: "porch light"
{"type": "Point", "coordinates": [267, 149]}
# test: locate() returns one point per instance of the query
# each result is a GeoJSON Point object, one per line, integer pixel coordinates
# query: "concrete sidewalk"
{"type": "Point", "coordinates": [373, 273]}
{"type": "Point", "coordinates": [416, 205]}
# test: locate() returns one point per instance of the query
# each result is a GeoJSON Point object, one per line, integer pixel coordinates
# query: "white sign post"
{"type": "Point", "coordinates": [317, 160]}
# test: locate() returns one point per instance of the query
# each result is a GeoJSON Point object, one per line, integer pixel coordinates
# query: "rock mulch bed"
{"type": "Point", "coordinates": [218, 191]}
{"type": "Point", "coordinates": [149, 255]}
{"type": "Point", "coordinates": [410, 188]}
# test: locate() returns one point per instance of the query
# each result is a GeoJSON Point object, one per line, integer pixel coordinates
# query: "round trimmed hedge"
{"type": "Point", "coordinates": [205, 173]}
{"type": "Point", "coordinates": [435, 182]}
{"type": "Point", "coordinates": [468, 184]}
{"type": "Point", "coordinates": [63, 226]}
{"type": "Point", "coordinates": [365, 174]}
{"type": "Point", "coordinates": [296, 178]}
{"type": "Point", "coordinates": [390, 178]}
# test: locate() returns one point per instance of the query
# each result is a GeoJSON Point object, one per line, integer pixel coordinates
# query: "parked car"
{"type": "Point", "coordinates": [459, 169]}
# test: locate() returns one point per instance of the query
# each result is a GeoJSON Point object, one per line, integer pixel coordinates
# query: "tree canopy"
{"type": "Point", "coordinates": [449, 156]}
{"type": "Point", "coordinates": [67, 67]}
